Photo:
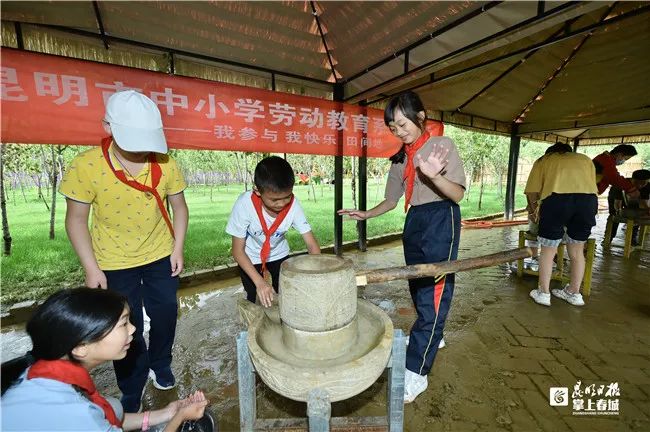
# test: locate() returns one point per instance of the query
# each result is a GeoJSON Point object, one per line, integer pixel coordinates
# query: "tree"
{"type": "Point", "coordinates": [377, 168]}
{"type": "Point", "coordinates": [532, 150]}
{"type": "Point", "coordinates": [498, 160]}
{"type": "Point", "coordinates": [305, 163]}
{"type": "Point", "coordinates": [475, 151]}
{"type": "Point", "coordinates": [243, 170]}
{"type": "Point", "coordinates": [325, 167]}
{"type": "Point", "coordinates": [15, 157]}
{"type": "Point", "coordinates": [53, 167]}
{"type": "Point", "coordinates": [6, 235]}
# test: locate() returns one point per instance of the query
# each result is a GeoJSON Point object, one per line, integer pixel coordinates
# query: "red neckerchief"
{"type": "Point", "coordinates": [74, 374]}
{"type": "Point", "coordinates": [409, 171]}
{"type": "Point", "coordinates": [156, 174]}
{"type": "Point", "coordinates": [268, 232]}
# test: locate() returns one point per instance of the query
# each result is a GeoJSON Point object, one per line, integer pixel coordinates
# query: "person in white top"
{"type": "Point", "coordinates": [258, 223]}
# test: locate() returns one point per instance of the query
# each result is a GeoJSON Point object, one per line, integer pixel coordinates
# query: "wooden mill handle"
{"type": "Point", "coordinates": [437, 269]}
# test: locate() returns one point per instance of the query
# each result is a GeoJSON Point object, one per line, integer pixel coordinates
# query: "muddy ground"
{"type": "Point", "coordinates": [503, 352]}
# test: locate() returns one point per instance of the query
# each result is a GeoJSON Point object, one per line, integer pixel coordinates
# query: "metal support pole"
{"type": "Point", "coordinates": [19, 36]}
{"type": "Point", "coordinates": [363, 187]}
{"type": "Point", "coordinates": [100, 23]}
{"type": "Point", "coordinates": [576, 143]}
{"type": "Point", "coordinates": [363, 203]}
{"type": "Point", "coordinates": [513, 160]}
{"type": "Point", "coordinates": [338, 179]}
{"type": "Point", "coordinates": [319, 410]}
{"type": "Point", "coordinates": [172, 65]}
{"type": "Point", "coordinates": [396, 372]}
{"type": "Point", "coordinates": [246, 381]}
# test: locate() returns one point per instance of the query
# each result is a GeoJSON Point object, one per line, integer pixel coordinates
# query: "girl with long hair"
{"type": "Point", "coordinates": [428, 170]}
{"type": "Point", "coordinates": [50, 388]}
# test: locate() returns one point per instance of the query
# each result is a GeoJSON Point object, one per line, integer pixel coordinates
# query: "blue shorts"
{"type": "Point", "coordinates": [574, 212]}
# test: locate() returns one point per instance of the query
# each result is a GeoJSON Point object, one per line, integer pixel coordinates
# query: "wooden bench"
{"type": "Point", "coordinates": [558, 274]}
{"type": "Point", "coordinates": [629, 226]}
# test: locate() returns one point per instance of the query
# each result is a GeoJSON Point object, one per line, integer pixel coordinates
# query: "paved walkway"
{"type": "Point", "coordinates": [505, 352]}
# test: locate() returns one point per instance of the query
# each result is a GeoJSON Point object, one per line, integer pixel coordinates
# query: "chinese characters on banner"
{"type": "Point", "coordinates": [55, 100]}
{"type": "Point", "coordinates": [596, 399]}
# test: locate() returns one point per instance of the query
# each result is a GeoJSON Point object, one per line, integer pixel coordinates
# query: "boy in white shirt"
{"type": "Point", "coordinates": [258, 222]}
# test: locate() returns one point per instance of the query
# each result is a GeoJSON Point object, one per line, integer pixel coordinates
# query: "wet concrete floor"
{"type": "Point", "coordinates": [503, 352]}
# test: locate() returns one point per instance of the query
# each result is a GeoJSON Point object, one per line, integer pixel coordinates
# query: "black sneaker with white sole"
{"type": "Point", "coordinates": [163, 379]}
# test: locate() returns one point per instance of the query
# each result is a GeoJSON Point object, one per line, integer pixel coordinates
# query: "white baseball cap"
{"type": "Point", "coordinates": [135, 122]}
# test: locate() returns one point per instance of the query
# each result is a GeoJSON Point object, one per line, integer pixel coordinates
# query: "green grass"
{"type": "Point", "coordinates": [39, 266]}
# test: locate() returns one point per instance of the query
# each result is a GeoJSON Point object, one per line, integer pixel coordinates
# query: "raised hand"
{"type": "Point", "coordinates": [435, 163]}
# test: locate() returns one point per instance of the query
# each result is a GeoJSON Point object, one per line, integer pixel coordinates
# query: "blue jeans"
{"type": "Point", "coordinates": [431, 235]}
{"type": "Point", "coordinates": [153, 286]}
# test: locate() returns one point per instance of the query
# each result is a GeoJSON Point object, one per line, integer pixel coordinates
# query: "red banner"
{"type": "Point", "coordinates": [57, 100]}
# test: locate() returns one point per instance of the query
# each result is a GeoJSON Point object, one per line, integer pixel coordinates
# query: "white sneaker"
{"type": "Point", "coordinates": [414, 384]}
{"type": "Point", "coordinates": [531, 264]}
{"type": "Point", "coordinates": [575, 299]}
{"type": "Point", "coordinates": [540, 297]}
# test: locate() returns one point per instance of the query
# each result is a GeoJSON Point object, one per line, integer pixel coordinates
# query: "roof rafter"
{"type": "Point", "coordinates": [322, 36]}
{"type": "Point", "coordinates": [519, 118]}
{"type": "Point", "coordinates": [425, 39]}
{"type": "Point", "coordinates": [639, 11]}
{"type": "Point", "coordinates": [513, 67]}
{"type": "Point", "coordinates": [465, 49]}
{"type": "Point", "coordinates": [100, 23]}
{"type": "Point", "coordinates": [163, 49]}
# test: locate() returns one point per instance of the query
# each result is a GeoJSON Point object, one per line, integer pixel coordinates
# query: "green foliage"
{"type": "Point", "coordinates": [644, 154]}
{"type": "Point", "coordinates": [530, 151]}
{"type": "Point", "coordinates": [38, 266]}
{"type": "Point", "coordinates": [480, 152]}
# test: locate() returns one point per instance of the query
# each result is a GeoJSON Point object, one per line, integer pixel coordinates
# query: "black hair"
{"type": "Point", "coordinates": [624, 149]}
{"type": "Point", "coordinates": [64, 321]}
{"type": "Point", "coordinates": [275, 174]}
{"type": "Point", "coordinates": [642, 174]}
{"type": "Point", "coordinates": [410, 104]}
{"type": "Point", "coordinates": [559, 147]}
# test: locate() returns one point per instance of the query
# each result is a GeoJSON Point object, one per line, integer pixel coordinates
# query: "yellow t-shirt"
{"type": "Point", "coordinates": [567, 173]}
{"type": "Point", "coordinates": [127, 228]}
